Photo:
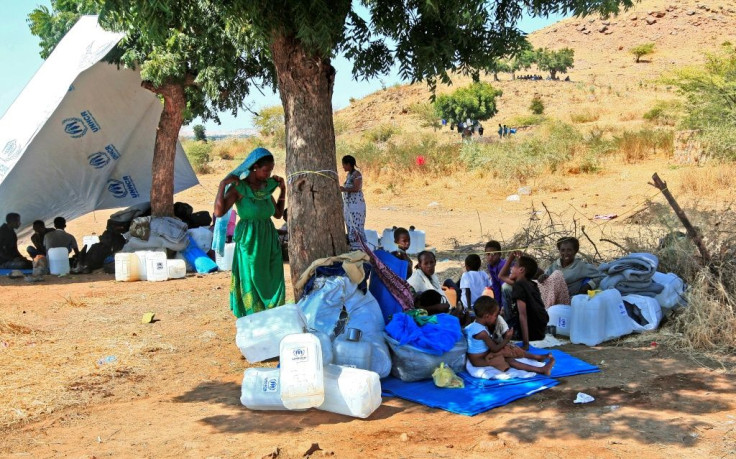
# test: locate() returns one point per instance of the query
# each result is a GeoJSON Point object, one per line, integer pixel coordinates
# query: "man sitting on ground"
{"type": "Point", "coordinates": [60, 238]}
{"type": "Point", "coordinates": [39, 232]}
{"type": "Point", "coordinates": [10, 257]}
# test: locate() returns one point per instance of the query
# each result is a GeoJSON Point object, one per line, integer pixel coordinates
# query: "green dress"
{"type": "Point", "coordinates": [258, 270]}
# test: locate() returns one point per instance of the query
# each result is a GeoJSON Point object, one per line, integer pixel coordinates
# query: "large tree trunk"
{"type": "Point", "coordinates": [164, 153]}
{"type": "Point", "coordinates": [316, 224]}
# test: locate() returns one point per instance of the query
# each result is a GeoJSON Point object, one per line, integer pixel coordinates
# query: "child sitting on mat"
{"type": "Point", "coordinates": [402, 241]}
{"type": "Point", "coordinates": [473, 281]}
{"type": "Point", "coordinates": [486, 351]}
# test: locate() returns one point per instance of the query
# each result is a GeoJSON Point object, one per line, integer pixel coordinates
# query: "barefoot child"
{"type": "Point", "coordinates": [485, 351]}
{"type": "Point", "coordinates": [402, 241]}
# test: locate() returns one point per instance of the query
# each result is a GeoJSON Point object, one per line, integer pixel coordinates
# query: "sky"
{"type": "Point", "coordinates": [19, 61]}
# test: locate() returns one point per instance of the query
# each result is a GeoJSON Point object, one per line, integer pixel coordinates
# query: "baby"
{"type": "Point", "coordinates": [495, 351]}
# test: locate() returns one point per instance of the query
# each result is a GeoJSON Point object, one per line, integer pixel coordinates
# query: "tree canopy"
{"type": "Point", "coordinates": [476, 102]}
{"type": "Point", "coordinates": [555, 61]}
{"type": "Point", "coordinates": [642, 50]}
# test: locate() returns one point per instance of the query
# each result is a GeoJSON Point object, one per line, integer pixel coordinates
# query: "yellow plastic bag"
{"type": "Point", "coordinates": [443, 376]}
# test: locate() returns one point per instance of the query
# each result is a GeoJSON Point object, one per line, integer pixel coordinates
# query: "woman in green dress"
{"type": "Point", "coordinates": [258, 271]}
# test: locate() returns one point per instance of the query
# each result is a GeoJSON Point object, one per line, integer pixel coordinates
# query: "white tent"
{"type": "Point", "coordinates": [81, 135]}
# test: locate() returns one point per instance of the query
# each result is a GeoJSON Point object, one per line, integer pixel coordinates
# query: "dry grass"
{"type": "Point", "coordinates": [709, 179]}
{"type": "Point", "coordinates": [584, 116]}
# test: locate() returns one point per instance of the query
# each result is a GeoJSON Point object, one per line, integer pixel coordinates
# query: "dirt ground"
{"type": "Point", "coordinates": [173, 386]}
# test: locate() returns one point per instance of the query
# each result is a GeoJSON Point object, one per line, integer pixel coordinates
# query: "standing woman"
{"type": "Point", "coordinates": [353, 201]}
{"type": "Point", "coordinates": [258, 271]}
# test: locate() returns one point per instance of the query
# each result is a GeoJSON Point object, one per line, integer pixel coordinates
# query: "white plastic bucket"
{"type": "Point", "coordinates": [156, 267]}
{"type": "Point", "coordinates": [225, 263]}
{"type": "Point", "coordinates": [258, 335]}
{"type": "Point", "coordinates": [559, 318]}
{"type": "Point", "coordinates": [58, 260]}
{"type": "Point", "coordinates": [351, 391]}
{"type": "Point", "coordinates": [126, 267]}
{"type": "Point", "coordinates": [417, 242]}
{"type": "Point", "coordinates": [302, 374]}
{"type": "Point", "coordinates": [176, 269]}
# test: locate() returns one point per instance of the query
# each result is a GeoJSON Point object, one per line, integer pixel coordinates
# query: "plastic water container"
{"type": "Point", "coordinates": [90, 240]}
{"type": "Point", "coordinates": [176, 269]}
{"type": "Point", "coordinates": [418, 242]}
{"type": "Point", "coordinates": [350, 351]}
{"type": "Point", "coordinates": [618, 322]}
{"type": "Point", "coordinates": [258, 335]}
{"type": "Point", "coordinates": [387, 240]}
{"type": "Point", "coordinates": [674, 287]}
{"type": "Point", "coordinates": [225, 262]}
{"type": "Point", "coordinates": [142, 267]}
{"type": "Point", "coordinates": [326, 343]}
{"type": "Point", "coordinates": [371, 237]}
{"type": "Point", "coordinates": [588, 320]}
{"type": "Point", "coordinates": [261, 389]}
{"type": "Point", "coordinates": [559, 318]}
{"type": "Point", "coordinates": [156, 267]}
{"type": "Point", "coordinates": [126, 267]}
{"type": "Point", "coordinates": [351, 391]}
{"type": "Point", "coordinates": [201, 236]}
{"type": "Point", "coordinates": [650, 310]}
{"type": "Point", "coordinates": [58, 261]}
{"type": "Point", "coordinates": [302, 374]}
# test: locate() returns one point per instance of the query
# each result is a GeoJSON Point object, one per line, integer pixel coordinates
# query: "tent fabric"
{"type": "Point", "coordinates": [80, 137]}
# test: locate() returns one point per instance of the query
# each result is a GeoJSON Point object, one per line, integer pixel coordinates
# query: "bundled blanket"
{"type": "Point", "coordinates": [632, 274]}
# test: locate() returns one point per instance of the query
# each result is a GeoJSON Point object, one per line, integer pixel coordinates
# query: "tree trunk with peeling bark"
{"type": "Point", "coordinates": [316, 223]}
{"type": "Point", "coordinates": [164, 154]}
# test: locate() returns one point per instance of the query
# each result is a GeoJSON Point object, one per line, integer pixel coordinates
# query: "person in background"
{"type": "Point", "coordinates": [60, 238]}
{"type": "Point", "coordinates": [258, 269]}
{"type": "Point", "coordinates": [500, 131]}
{"type": "Point", "coordinates": [402, 239]}
{"type": "Point", "coordinates": [580, 275]}
{"type": "Point", "coordinates": [473, 281]}
{"type": "Point", "coordinates": [353, 202]}
{"type": "Point", "coordinates": [10, 257]}
{"type": "Point", "coordinates": [39, 232]}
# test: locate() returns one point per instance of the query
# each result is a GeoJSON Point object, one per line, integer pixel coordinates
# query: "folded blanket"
{"type": "Point", "coordinates": [431, 338]}
{"type": "Point", "coordinates": [633, 267]}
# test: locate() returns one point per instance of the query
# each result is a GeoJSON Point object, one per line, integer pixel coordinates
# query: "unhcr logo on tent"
{"type": "Point", "coordinates": [75, 127]}
{"type": "Point", "coordinates": [90, 120]}
{"type": "Point", "coordinates": [103, 158]}
{"type": "Point", "coordinates": [121, 188]}
{"type": "Point", "coordinates": [10, 151]}
{"type": "Point", "coordinates": [117, 188]}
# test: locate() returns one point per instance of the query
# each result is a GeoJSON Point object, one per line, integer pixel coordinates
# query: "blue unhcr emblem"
{"type": "Point", "coordinates": [117, 188]}
{"type": "Point", "coordinates": [99, 160]}
{"type": "Point", "coordinates": [75, 127]}
{"type": "Point", "coordinates": [130, 185]}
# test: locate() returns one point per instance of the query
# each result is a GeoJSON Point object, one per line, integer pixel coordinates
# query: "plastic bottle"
{"type": "Point", "coordinates": [261, 389]}
{"type": "Point", "coordinates": [258, 335]}
{"type": "Point", "coordinates": [326, 343]}
{"type": "Point", "coordinates": [302, 374]}
{"type": "Point", "coordinates": [350, 351]}
{"type": "Point", "coordinates": [126, 267]}
{"type": "Point", "coordinates": [58, 261]}
{"type": "Point", "coordinates": [156, 270]}
{"type": "Point", "coordinates": [351, 391]}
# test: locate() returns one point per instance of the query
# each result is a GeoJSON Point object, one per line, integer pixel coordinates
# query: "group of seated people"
{"type": "Point", "coordinates": [506, 300]}
{"type": "Point", "coordinates": [42, 240]}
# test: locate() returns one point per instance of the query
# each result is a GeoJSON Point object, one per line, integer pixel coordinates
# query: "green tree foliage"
{"type": "Point", "coordinates": [555, 62]}
{"type": "Point", "coordinates": [710, 100]}
{"type": "Point", "coordinates": [270, 123]}
{"type": "Point", "coordinates": [537, 106]}
{"type": "Point", "coordinates": [521, 61]}
{"type": "Point", "coordinates": [476, 102]}
{"type": "Point", "coordinates": [199, 133]}
{"type": "Point", "coordinates": [51, 25]}
{"type": "Point", "coordinates": [642, 50]}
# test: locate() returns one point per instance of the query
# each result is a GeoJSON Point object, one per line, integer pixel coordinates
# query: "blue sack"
{"type": "Point", "coordinates": [197, 258]}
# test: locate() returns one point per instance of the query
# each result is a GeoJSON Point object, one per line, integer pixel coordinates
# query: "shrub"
{"type": "Point", "coordinates": [640, 145]}
{"type": "Point", "coordinates": [198, 153]}
{"type": "Point", "coordinates": [664, 113]}
{"type": "Point", "coordinates": [642, 50]}
{"type": "Point", "coordinates": [199, 133]}
{"type": "Point", "coordinates": [382, 133]}
{"type": "Point", "coordinates": [426, 114]}
{"type": "Point", "coordinates": [476, 102]}
{"type": "Point", "coordinates": [527, 120]}
{"type": "Point", "coordinates": [537, 106]}
{"type": "Point", "coordinates": [585, 116]}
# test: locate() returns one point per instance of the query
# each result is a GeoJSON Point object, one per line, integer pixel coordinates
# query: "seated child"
{"type": "Point", "coordinates": [402, 241]}
{"type": "Point", "coordinates": [473, 281]}
{"type": "Point", "coordinates": [495, 351]}
{"type": "Point", "coordinates": [527, 314]}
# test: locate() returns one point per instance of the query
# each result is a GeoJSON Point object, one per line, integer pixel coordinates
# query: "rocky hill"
{"type": "Point", "coordinates": [607, 86]}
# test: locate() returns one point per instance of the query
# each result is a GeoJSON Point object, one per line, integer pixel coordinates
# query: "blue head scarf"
{"type": "Point", "coordinates": [243, 170]}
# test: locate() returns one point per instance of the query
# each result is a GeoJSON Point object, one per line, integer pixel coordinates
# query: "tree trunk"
{"type": "Point", "coordinates": [316, 223]}
{"type": "Point", "coordinates": [164, 153]}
